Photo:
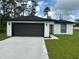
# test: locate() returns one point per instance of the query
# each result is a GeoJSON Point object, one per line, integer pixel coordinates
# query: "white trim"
{"type": "Point", "coordinates": [31, 22]}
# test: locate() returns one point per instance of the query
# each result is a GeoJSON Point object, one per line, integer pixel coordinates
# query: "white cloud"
{"type": "Point", "coordinates": [52, 14]}
{"type": "Point", "coordinates": [37, 11]}
{"type": "Point", "coordinates": [67, 8]}
{"type": "Point", "coordinates": [67, 4]}
{"type": "Point", "coordinates": [73, 17]}
{"type": "Point", "coordinates": [42, 4]}
{"type": "Point", "coordinates": [37, 8]}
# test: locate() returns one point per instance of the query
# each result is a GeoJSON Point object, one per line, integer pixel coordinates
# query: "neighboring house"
{"type": "Point", "coordinates": [38, 27]}
{"type": "Point", "coordinates": [76, 25]}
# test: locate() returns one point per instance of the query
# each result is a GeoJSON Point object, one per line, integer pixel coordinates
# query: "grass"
{"type": "Point", "coordinates": [3, 36]}
{"type": "Point", "coordinates": [67, 47]}
{"type": "Point", "coordinates": [3, 33]}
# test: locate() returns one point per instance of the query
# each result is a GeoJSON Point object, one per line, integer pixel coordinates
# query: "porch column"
{"type": "Point", "coordinates": [9, 28]}
{"type": "Point", "coordinates": [46, 29]}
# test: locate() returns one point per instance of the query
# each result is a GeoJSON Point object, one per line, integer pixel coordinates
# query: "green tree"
{"type": "Point", "coordinates": [46, 10]}
{"type": "Point", "coordinates": [33, 9]}
{"type": "Point", "coordinates": [6, 6]}
{"type": "Point", "coordinates": [77, 20]}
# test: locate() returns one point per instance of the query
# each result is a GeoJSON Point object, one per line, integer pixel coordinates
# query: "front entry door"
{"type": "Point", "coordinates": [51, 29]}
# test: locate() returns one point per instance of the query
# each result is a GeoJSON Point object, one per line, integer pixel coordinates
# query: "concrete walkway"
{"type": "Point", "coordinates": [52, 37]}
{"type": "Point", "coordinates": [23, 48]}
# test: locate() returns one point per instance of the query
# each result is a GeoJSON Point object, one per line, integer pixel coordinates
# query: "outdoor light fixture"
{"type": "Point", "coordinates": [46, 24]}
{"type": "Point", "coordinates": [9, 23]}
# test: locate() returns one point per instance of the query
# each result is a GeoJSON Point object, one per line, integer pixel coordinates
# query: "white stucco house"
{"type": "Point", "coordinates": [38, 27]}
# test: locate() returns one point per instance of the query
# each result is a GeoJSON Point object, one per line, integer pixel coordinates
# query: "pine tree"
{"type": "Point", "coordinates": [46, 10]}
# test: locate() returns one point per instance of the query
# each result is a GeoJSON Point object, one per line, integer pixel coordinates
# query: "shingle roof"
{"type": "Point", "coordinates": [35, 18]}
{"type": "Point", "coordinates": [63, 21]}
{"type": "Point", "coordinates": [29, 18]}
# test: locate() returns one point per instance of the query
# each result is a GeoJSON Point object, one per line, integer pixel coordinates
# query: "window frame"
{"type": "Point", "coordinates": [63, 28]}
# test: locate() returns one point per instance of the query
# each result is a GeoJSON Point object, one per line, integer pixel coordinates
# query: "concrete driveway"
{"type": "Point", "coordinates": [23, 48]}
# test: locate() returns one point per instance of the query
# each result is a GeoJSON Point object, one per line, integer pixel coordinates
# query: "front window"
{"type": "Point", "coordinates": [63, 28]}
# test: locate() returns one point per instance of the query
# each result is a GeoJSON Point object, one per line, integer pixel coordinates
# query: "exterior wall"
{"type": "Point", "coordinates": [46, 26]}
{"type": "Point", "coordinates": [46, 30]}
{"type": "Point", "coordinates": [70, 29]}
{"type": "Point", "coordinates": [9, 28]}
{"type": "Point", "coordinates": [57, 29]}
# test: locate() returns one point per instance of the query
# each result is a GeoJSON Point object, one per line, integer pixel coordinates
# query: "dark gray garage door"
{"type": "Point", "coordinates": [28, 29]}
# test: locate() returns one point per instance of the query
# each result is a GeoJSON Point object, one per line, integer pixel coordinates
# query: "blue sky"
{"type": "Point", "coordinates": [50, 2]}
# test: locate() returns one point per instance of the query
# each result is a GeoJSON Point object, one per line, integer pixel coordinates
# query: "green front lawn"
{"type": "Point", "coordinates": [2, 36]}
{"type": "Point", "coordinates": [67, 47]}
